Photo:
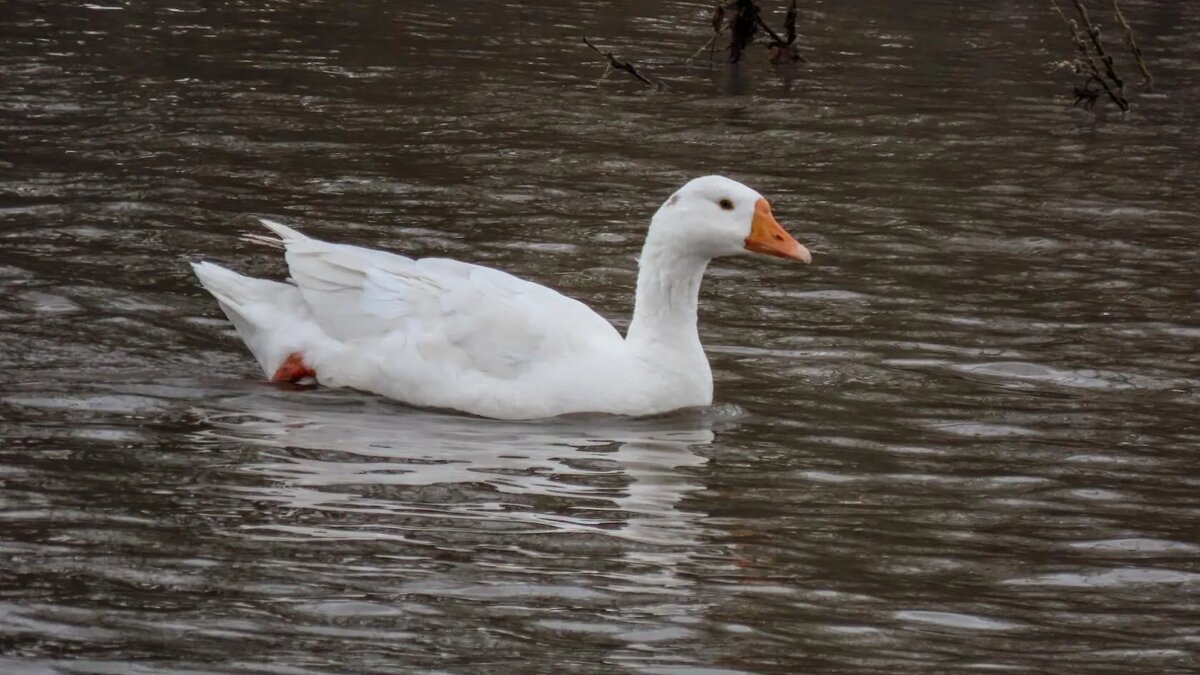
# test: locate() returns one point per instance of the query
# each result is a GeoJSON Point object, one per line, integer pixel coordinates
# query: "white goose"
{"type": "Point", "coordinates": [448, 334]}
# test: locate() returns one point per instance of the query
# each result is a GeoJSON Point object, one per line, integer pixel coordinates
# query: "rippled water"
{"type": "Point", "coordinates": [964, 440]}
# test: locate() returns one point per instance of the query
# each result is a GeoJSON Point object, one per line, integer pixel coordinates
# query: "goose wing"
{"type": "Point", "coordinates": [446, 310]}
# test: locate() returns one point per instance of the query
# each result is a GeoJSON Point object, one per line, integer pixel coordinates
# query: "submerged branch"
{"type": "Point", "coordinates": [775, 39]}
{"type": "Point", "coordinates": [617, 64]}
{"type": "Point", "coordinates": [1148, 79]}
{"type": "Point", "coordinates": [789, 23]}
{"type": "Point", "coordinates": [1094, 34]}
{"type": "Point", "coordinates": [1087, 59]}
{"type": "Point", "coordinates": [744, 25]}
{"type": "Point", "coordinates": [707, 45]}
{"type": "Point", "coordinates": [785, 52]}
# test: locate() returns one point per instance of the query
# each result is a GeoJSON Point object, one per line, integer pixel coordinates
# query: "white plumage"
{"type": "Point", "coordinates": [449, 334]}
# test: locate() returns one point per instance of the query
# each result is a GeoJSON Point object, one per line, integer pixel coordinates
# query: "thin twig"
{"type": "Point", "coordinates": [1133, 47]}
{"type": "Point", "coordinates": [774, 36]}
{"type": "Point", "coordinates": [1094, 34]}
{"type": "Point", "coordinates": [783, 52]}
{"type": "Point", "coordinates": [1081, 46]}
{"type": "Point", "coordinates": [618, 64]}
{"type": "Point", "coordinates": [743, 26]}
{"type": "Point", "coordinates": [789, 23]}
{"type": "Point", "coordinates": [708, 44]}
{"type": "Point", "coordinates": [1086, 95]}
{"type": "Point", "coordinates": [719, 26]}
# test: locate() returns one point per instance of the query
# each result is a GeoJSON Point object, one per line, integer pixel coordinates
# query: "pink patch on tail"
{"type": "Point", "coordinates": [293, 369]}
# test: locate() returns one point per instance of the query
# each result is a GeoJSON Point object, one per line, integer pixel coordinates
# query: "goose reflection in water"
{"type": "Point", "coordinates": [411, 473]}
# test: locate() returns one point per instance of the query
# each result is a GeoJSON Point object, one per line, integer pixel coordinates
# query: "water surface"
{"type": "Point", "coordinates": [963, 440]}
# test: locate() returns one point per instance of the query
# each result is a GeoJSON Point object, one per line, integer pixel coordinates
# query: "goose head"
{"type": "Point", "coordinates": [714, 216]}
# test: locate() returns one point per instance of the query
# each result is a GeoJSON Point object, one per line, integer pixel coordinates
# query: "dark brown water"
{"type": "Point", "coordinates": [964, 440]}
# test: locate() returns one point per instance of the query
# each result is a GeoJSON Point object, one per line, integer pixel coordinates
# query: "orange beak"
{"type": "Point", "coordinates": [768, 236]}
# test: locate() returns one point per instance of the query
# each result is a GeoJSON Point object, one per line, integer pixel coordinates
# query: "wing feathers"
{"type": "Point", "coordinates": [463, 315]}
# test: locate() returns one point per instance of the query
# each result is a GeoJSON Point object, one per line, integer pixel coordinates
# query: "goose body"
{"type": "Point", "coordinates": [448, 334]}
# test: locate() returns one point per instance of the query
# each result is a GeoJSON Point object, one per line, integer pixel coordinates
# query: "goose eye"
{"type": "Point", "coordinates": [726, 204]}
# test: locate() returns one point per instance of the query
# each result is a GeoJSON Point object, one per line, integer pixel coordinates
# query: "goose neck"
{"type": "Point", "coordinates": [668, 289]}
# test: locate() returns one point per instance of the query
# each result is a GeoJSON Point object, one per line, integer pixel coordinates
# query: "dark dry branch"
{"type": "Point", "coordinates": [618, 64]}
{"type": "Point", "coordinates": [789, 23]}
{"type": "Point", "coordinates": [707, 45]}
{"type": "Point", "coordinates": [1148, 79]}
{"type": "Point", "coordinates": [744, 25]}
{"type": "Point", "coordinates": [1094, 34]}
{"type": "Point", "coordinates": [1087, 59]}
{"type": "Point", "coordinates": [718, 26]}
{"type": "Point", "coordinates": [775, 39]}
{"type": "Point", "coordinates": [783, 52]}
{"type": "Point", "coordinates": [1087, 94]}
{"type": "Point", "coordinates": [718, 18]}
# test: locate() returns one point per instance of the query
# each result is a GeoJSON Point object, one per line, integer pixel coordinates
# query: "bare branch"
{"type": "Point", "coordinates": [617, 64]}
{"type": "Point", "coordinates": [718, 18]}
{"type": "Point", "coordinates": [1148, 80]}
{"type": "Point", "coordinates": [744, 25]}
{"type": "Point", "coordinates": [789, 23]}
{"type": "Point", "coordinates": [775, 39]}
{"type": "Point", "coordinates": [706, 45]}
{"type": "Point", "coordinates": [1094, 34]}
{"type": "Point", "coordinates": [1087, 59]}
{"type": "Point", "coordinates": [786, 52]}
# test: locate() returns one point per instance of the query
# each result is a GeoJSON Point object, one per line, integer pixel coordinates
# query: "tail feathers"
{"type": "Point", "coordinates": [282, 231]}
{"type": "Point", "coordinates": [270, 317]}
{"type": "Point", "coordinates": [264, 240]}
{"type": "Point", "coordinates": [284, 235]}
{"type": "Point", "coordinates": [230, 287]}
